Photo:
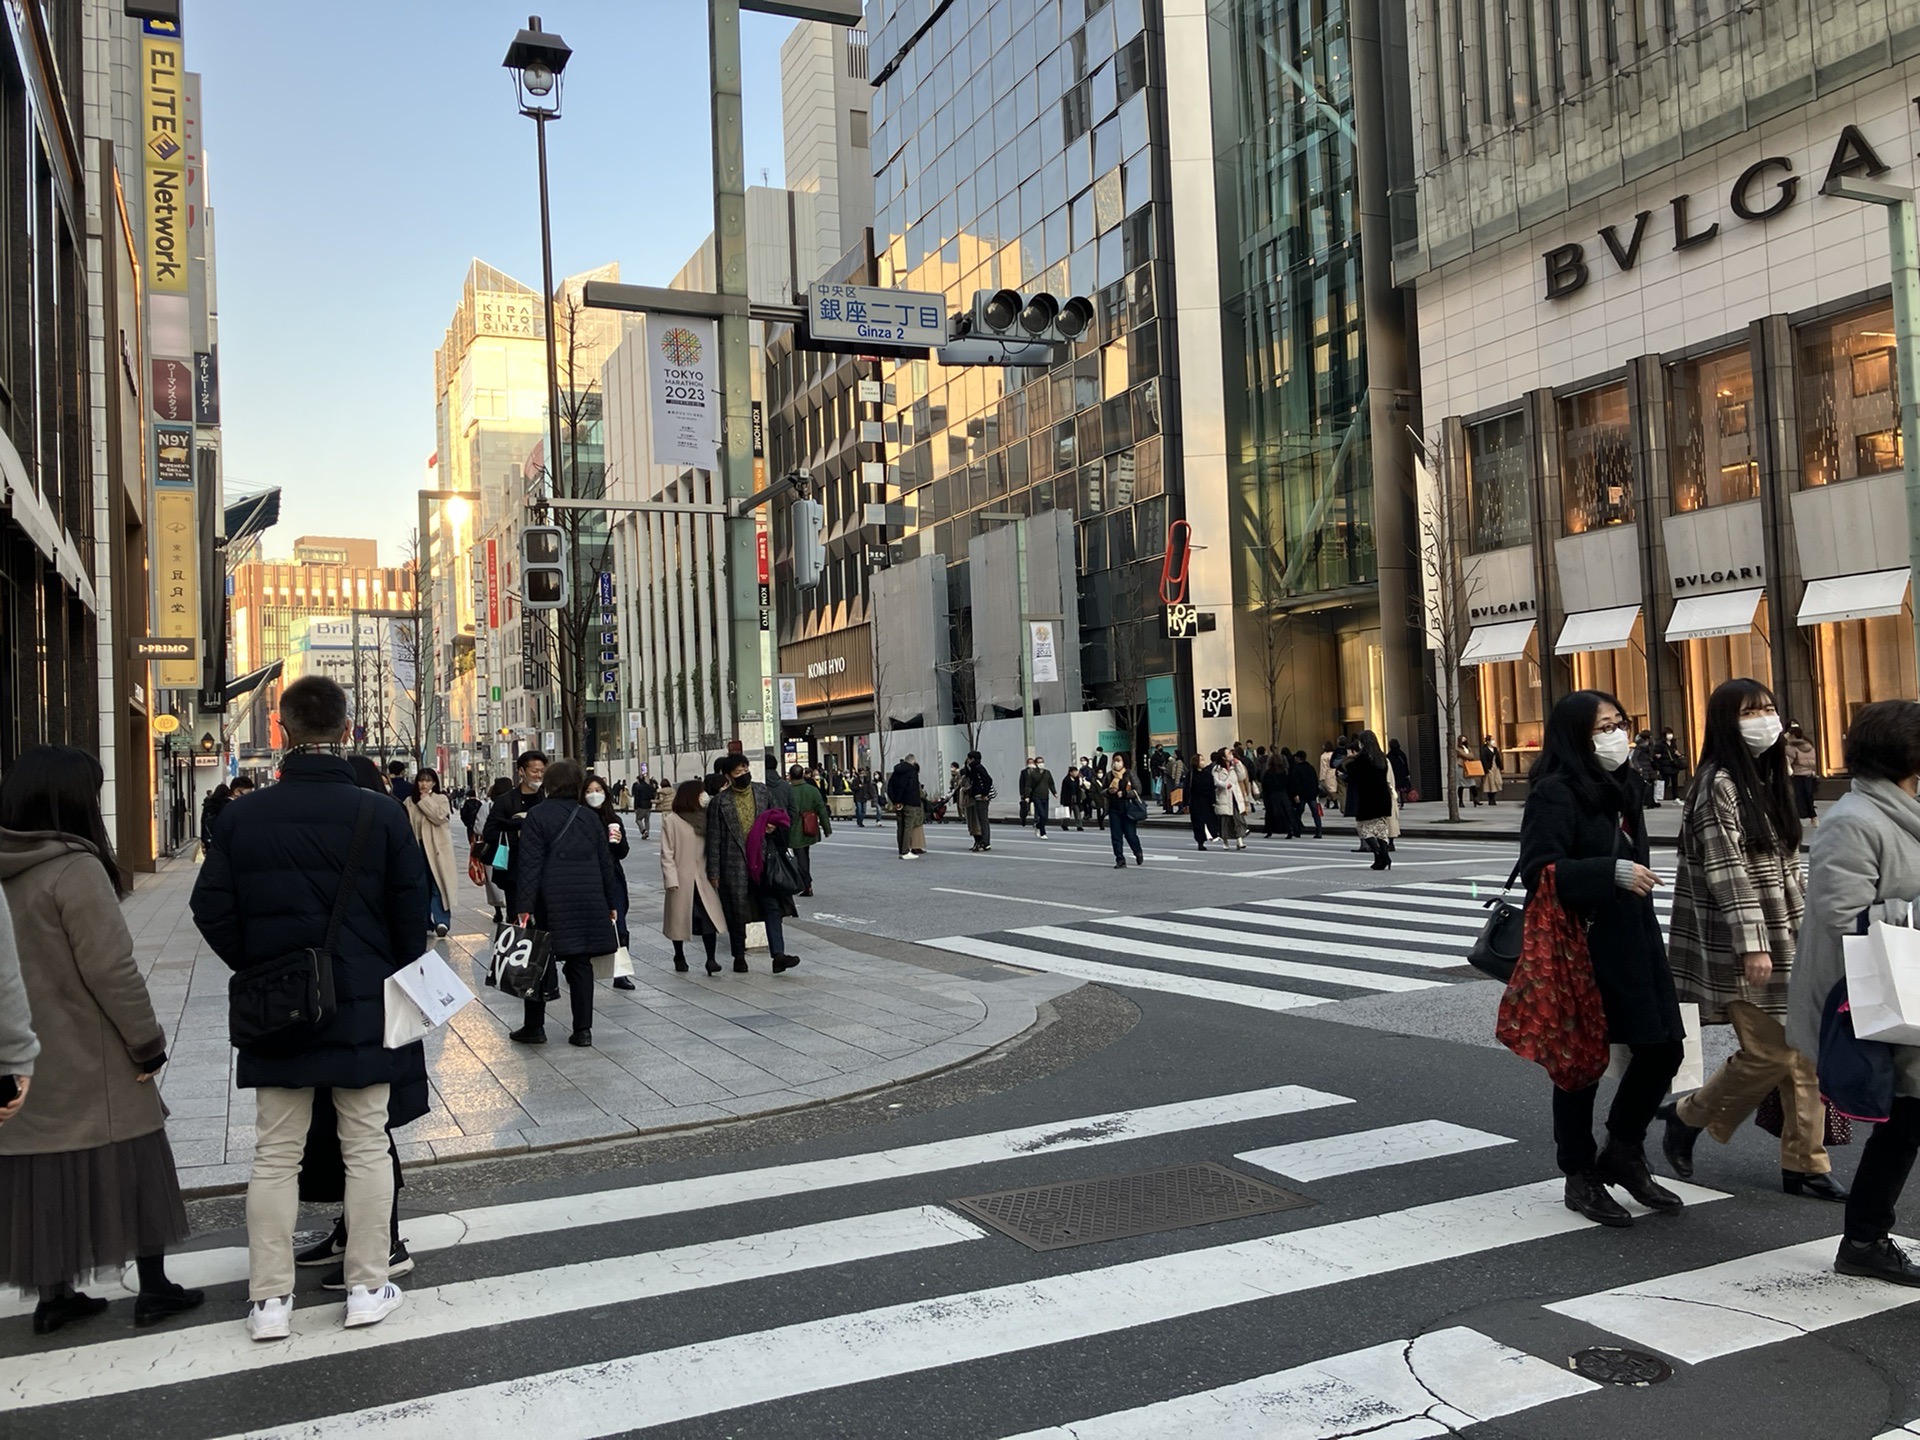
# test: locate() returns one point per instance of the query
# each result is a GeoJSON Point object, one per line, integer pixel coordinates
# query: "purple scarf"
{"type": "Point", "coordinates": [757, 842]}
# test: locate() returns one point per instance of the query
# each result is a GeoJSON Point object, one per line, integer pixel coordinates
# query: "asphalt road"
{"type": "Point", "coordinates": [808, 1275]}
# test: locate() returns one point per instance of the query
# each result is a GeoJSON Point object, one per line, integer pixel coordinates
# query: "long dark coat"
{"type": "Point", "coordinates": [1369, 788]}
{"type": "Point", "coordinates": [727, 854]}
{"type": "Point", "coordinates": [566, 877]}
{"type": "Point", "coordinates": [1629, 957]}
{"type": "Point", "coordinates": [267, 889]}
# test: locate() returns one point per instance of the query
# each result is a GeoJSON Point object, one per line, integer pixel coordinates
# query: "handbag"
{"type": "Point", "coordinates": [782, 874]}
{"type": "Point", "coordinates": [1551, 1013]}
{"type": "Point", "coordinates": [521, 958]}
{"type": "Point", "coordinates": [1136, 809]}
{"type": "Point", "coordinates": [1496, 949]}
{"type": "Point", "coordinates": [810, 825]}
{"type": "Point", "coordinates": [287, 1001]}
{"type": "Point", "coordinates": [1772, 1118]}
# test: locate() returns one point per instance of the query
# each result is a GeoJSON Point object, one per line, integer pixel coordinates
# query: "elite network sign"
{"type": "Point", "coordinates": [684, 408]}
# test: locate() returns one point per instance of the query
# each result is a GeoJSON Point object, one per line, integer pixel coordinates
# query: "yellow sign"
{"type": "Point", "coordinates": [165, 724]}
{"type": "Point", "coordinates": [164, 149]}
{"type": "Point", "coordinates": [176, 581]}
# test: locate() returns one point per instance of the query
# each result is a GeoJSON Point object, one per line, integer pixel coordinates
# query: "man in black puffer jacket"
{"type": "Point", "coordinates": [267, 890]}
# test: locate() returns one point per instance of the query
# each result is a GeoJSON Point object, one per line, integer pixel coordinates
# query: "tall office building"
{"type": "Point", "coordinates": [825, 112]}
{"type": "Point", "coordinates": [1206, 172]}
{"type": "Point", "coordinates": [1658, 357]}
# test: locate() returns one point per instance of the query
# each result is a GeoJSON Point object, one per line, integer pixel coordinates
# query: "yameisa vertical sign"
{"type": "Point", "coordinates": [684, 409]}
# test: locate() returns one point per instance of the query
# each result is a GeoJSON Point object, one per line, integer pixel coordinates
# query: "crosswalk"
{"type": "Point", "coordinates": [1290, 953]}
{"type": "Point", "coordinates": [989, 1301]}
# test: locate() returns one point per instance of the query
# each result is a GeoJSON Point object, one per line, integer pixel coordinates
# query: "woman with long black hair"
{"type": "Point", "coordinates": [1737, 905]}
{"type": "Point", "coordinates": [87, 1179]}
{"type": "Point", "coordinates": [1370, 783]}
{"type": "Point", "coordinates": [1583, 817]}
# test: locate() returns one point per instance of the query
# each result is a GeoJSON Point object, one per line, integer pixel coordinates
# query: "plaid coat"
{"type": "Point", "coordinates": [1729, 900]}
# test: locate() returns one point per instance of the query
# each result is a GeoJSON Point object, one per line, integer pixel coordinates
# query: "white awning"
{"type": "Point", "coordinates": [1491, 644]}
{"type": "Point", "coordinates": [1854, 597]}
{"type": "Point", "coordinates": [1699, 617]}
{"type": "Point", "coordinates": [1597, 630]}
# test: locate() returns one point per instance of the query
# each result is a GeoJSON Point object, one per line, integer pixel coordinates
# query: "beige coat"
{"type": "Point", "coordinates": [431, 818]}
{"type": "Point", "coordinates": [90, 1007]}
{"type": "Point", "coordinates": [683, 871]}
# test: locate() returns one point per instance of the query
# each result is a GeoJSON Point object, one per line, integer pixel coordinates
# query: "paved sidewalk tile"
{"type": "Point", "coordinates": [676, 1050]}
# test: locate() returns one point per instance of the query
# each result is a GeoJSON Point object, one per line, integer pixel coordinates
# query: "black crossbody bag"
{"type": "Point", "coordinates": [1496, 949]}
{"type": "Point", "coordinates": [285, 1002]}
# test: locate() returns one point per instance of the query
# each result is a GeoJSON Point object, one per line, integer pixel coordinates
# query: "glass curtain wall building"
{"type": "Point", "coordinates": [1017, 143]}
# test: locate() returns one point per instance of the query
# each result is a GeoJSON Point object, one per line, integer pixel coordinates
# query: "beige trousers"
{"type": "Point", "coordinates": [1764, 1061]}
{"type": "Point", "coordinates": [273, 1191]}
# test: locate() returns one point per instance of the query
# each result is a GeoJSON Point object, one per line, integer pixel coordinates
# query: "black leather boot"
{"type": "Point", "coordinates": [1626, 1166]}
{"type": "Point", "coordinates": [1817, 1187]}
{"type": "Point", "coordinates": [1588, 1197]}
{"type": "Point", "coordinates": [1677, 1143]}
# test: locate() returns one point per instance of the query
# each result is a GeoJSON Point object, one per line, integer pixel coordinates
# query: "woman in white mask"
{"type": "Point", "coordinates": [1583, 818]}
{"type": "Point", "coordinates": [1737, 904]}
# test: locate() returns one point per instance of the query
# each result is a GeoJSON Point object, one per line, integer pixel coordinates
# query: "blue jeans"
{"type": "Point", "coordinates": [860, 812]}
{"type": "Point", "coordinates": [437, 912]}
{"type": "Point", "coordinates": [1122, 826]}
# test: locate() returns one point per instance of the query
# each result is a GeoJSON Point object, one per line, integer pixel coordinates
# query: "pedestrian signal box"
{"type": "Point", "coordinates": [543, 567]}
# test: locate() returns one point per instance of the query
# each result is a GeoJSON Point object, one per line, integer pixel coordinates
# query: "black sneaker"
{"type": "Point", "coordinates": [326, 1251]}
{"type": "Point", "coordinates": [398, 1263]}
{"type": "Point", "coordinates": [1877, 1260]}
{"type": "Point", "coordinates": [150, 1307]}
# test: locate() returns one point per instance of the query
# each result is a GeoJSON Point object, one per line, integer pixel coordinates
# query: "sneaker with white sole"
{"type": "Point", "coordinates": [399, 1263]}
{"type": "Point", "coordinates": [270, 1319]}
{"type": "Point", "coordinates": [370, 1307]}
{"type": "Point", "coordinates": [325, 1251]}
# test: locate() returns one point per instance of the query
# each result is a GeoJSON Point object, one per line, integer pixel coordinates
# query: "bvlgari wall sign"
{"type": "Point", "coordinates": [1765, 189]}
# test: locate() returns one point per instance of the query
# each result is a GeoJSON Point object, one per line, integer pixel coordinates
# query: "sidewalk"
{"type": "Point", "coordinates": [679, 1050]}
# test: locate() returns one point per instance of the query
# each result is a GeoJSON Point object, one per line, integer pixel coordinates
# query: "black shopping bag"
{"type": "Point", "coordinates": [522, 956]}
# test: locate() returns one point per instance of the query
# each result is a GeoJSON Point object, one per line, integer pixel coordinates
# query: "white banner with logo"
{"type": "Point", "coordinates": [1046, 664]}
{"type": "Point", "coordinates": [683, 357]}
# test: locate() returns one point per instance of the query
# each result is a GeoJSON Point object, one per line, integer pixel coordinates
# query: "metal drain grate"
{"type": "Point", "coordinates": [1611, 1366]}
{"type": "Point", "coordinates": [1085, 1212]}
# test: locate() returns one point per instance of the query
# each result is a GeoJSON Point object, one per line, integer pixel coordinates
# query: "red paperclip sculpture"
{"type": "Point", "coordinates": [1173, 583]}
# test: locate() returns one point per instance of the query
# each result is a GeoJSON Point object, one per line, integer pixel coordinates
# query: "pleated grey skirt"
{"type": "Point", "coordinates": [67, 1215]}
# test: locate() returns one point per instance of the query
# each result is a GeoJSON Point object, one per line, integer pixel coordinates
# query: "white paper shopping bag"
{"type": "Point", "coordinates": [420, 998]}
{"type": "Point", "coordinates": [1883, 983]}
{"type": "Point", "coordinates": [1693, 1064]}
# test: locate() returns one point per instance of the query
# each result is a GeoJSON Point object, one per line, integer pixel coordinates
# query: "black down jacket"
{"type": "Point", "coordinates": [267, 889]}
{"type": "Point", "coordinates": [567, 879]}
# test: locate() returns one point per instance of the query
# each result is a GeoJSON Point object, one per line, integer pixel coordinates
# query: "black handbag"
{"type": "Point", "coordinates": [522, 956]}
{"type": "Point", "coordinates": [781, 874]}
{"type": "Point", "coordinates": [283, 1003]}
{"type": "Point", "coordinates": [1496, 949]}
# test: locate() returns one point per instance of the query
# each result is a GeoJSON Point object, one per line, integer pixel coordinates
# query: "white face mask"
{"type": "Point", "coordinates": [1612, 749]}
{"type": "Point", "coordinates": [1761, 732]}
{"type": "Point", "coordinates": [597, 799]}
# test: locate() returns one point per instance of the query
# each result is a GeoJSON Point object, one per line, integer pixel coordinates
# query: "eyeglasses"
{"type": "Point", "coordinates": [1608, 727]}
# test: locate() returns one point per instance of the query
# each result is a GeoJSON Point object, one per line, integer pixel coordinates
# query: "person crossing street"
{"type": "Point", "coordinates": [1040, 790]}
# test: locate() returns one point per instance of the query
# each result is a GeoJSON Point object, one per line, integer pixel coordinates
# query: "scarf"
{"type": "Point", "coordinates": [1892, 800]}
{"type": "Point", "coordinates": [757, 841]}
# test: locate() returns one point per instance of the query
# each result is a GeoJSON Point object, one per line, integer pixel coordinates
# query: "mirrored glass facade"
{"type": "Point", "coordinates": [1014, 145]}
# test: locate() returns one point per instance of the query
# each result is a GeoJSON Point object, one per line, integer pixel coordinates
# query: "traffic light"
{"type": "Point", "coordinates": [1026, 319]}
{"type": "Point", "coordinates": [543, 567]}
{"type": "Point", "coordinates": [809, 547]}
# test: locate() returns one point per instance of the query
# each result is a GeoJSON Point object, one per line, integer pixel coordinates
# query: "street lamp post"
{"type": "Point", "coordinates": [1904, 255]}
{"type": "Point", "coordinates": [538, 58]}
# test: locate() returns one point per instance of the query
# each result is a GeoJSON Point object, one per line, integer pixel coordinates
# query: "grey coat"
{"type": "Point", "coordinates": [18, 1044]}
{"type": "Point", "coordinates": [1866, 856]}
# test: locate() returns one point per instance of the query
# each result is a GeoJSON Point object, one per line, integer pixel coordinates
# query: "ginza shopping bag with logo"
{"type": "Point", "coordinates": [521, 955]}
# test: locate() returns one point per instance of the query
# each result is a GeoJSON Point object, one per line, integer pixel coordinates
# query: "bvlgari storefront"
{"type": "Point", "coordinates": [1671, 427]}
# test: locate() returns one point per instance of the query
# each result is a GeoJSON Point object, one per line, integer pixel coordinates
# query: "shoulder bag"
{"type": "Point", "coordinates": [287, 1001]}
{"type": "Point", "coordinates": [1496, 949]}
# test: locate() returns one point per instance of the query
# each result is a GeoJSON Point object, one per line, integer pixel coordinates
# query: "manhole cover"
{"type": "Point", "coordinates": [1608, 1366]}
{"type": "Point", "coordinates": [1083, 1212]}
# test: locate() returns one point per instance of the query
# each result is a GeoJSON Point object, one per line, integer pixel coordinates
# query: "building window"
{"type": "Point", "coordinates": [1499, 508]}
{"type": "Point", "coordinates": [1622, 673]}
{"type": "Point", "coordinates": [1511, 709]}
{"type": "Point", "coordinates": [857, 135]}
{"type": "Point", "coordinates": [1849, 398]}
{"type": "Point", "coordinates": [1596, 459]}
{"type": "Point", "coordinates": [1706, 664]}
{"type": "Point", "coordinates": [1714, 451]}
{"type": "Point", "coordinates": [1856, 662]}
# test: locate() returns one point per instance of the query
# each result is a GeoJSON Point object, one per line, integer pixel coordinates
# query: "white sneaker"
{"type": "Point", "coordinates": [270, 1319]}
{"type": "Point", "coordinates": [370, 1307]}
{"type": "Point", "coordinates": [909, 856]}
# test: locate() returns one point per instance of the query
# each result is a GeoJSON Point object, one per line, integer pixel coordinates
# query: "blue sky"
{"type": "Point", "coordinates": [351, 193]}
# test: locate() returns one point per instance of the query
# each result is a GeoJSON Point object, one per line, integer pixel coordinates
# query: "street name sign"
{"type": "Point", "coordinates": [871, 315]}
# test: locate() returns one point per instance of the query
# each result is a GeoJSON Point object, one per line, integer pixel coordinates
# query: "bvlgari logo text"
{"type": "Point", "coordinates": [1727, 576]}
{"type": "Point", "coordinates": [1764, 189]}
{"type": "Point", "coordinates": [1489, 612]}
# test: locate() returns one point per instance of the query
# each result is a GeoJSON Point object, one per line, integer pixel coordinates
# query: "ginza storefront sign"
{"type": "Point", "coordinates": [832, 665]}
{"type": "Point", "coordinates": [1732, 575]}
{"type": "Point", "coordinates": [1765, 189]}
{"type": "Point", "coordinates": [1494, 612]}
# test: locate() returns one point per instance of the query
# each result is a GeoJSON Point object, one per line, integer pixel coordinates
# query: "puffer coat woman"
{"type": "Point", "coordinates": [1737, 905]}
{"type": "Point", "coordinates": [430, 816]}
{"type": "Point", "coordinates": [566, 877]}
{"type": "Point", "coordinates": [87, 1178]}
{"type": "Point", "coordinates": [1866, 861]}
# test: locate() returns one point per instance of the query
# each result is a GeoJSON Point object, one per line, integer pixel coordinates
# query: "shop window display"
{"type": "Point", "coordinates": [1621, 673]}
{"type": "Point", "coordinates": [1511, 710]}
{"type": "Point", "coordinates": [1499, 503]}
{"type": "Point", "coordinates": [1849, 398]}
{"type": "Point", "coordinates": [1706, 664]}
{"type": "Point", "coordinates": [1715, 437]}
{"type": "Point", "coordinates": [1856, 662]}
{"type": "Point", "coordinates": [1596, 459]}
